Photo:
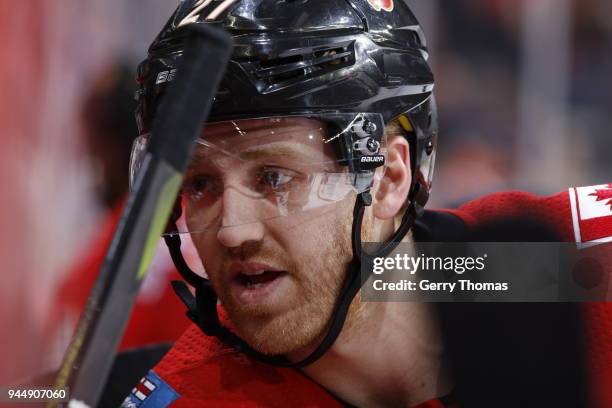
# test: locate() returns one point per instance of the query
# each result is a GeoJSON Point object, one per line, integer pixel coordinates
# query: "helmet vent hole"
{"type": "Point", "coordinates": [416, 40]}
{"type": "Point", "coordinates": [280, 61]}
{"type": "Point", "coordinates": [279, 72]}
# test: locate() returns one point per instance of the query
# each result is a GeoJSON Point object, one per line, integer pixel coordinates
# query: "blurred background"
{"type": "Point", "coordinates": [524, 92]}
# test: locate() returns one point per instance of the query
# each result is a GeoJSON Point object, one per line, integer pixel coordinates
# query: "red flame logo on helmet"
{"type": "Point", "coordinates": [605, 194]}
{"type": "Point", "coordinates": [378, 5]}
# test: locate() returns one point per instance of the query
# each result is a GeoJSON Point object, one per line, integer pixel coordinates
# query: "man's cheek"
{"type": "Point", "coordinates": [220, 286]}
{"type": "Point", "coordinates": [208, 253]}
{"type": "Point", "coordinates": [213, 266]}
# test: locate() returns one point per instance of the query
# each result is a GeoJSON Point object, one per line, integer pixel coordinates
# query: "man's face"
{"type": "Point", "coordinates": [275, 245]}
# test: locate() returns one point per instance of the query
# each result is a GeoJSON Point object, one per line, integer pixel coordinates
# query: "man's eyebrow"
{"type": "Point", "coordinates": [300, 155]}
{"type": "Point", "coordinates": [297, 153]}
{"type": "Point", "coordinates": [199, 157]}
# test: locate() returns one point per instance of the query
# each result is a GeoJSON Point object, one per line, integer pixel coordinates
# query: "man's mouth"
{"type": "Point", "coordinates": [254, 283]}
{"type": "Point", "coordinates": [259, 279]}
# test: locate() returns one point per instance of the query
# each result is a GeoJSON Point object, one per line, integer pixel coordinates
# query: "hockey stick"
{"type": "Point", "coordinates": [185, 108]}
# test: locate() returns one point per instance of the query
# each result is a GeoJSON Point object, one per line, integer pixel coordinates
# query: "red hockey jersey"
{"type": "Point", "coordinates": [199, 371]}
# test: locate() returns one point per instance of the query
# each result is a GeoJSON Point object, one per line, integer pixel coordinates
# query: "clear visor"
{"type": "Point", "coordinates": [280, 168]}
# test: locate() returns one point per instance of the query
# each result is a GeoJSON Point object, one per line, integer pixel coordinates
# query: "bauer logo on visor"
{"type": "Point", "coordinates": [372, 162]}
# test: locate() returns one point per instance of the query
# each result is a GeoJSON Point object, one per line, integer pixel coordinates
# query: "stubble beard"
{"type": "Point", "coordinates": [317, 280]}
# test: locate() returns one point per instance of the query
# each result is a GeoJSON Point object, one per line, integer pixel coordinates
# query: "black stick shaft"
{"type": "Point", "coordinates": [90, 355]}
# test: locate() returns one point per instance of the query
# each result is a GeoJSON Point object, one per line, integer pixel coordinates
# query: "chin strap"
{"type": "Point", "coordinates": [202, 309]}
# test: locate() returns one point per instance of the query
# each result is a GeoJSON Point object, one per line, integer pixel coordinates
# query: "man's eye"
{"type": "Point", "coordinates": [195, 187]}
{"type": "Point", "coordinates": [275, 179]}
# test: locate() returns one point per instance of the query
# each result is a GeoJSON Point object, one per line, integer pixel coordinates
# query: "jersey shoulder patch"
{"type": "Point", "coordinates": [150, 392]}
{"type": "Point", "coordinates": [592, 214]}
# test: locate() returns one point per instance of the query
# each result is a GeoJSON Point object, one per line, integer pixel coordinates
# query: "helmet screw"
{"type": "Point", "coordinates": [429, 148]}
{"type": "Point", "coordinates": [369, 126]}
{"type": "Point", "coordinates": [373, 145]}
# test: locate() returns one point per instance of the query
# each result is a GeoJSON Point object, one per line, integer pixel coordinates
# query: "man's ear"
{"type": "Point", "coordinates": [394, 187]}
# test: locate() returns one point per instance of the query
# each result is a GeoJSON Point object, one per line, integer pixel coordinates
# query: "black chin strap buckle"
{"type": "Point", "coordinates": [419, 198]}
{"type": "Point", "coordinates": [206, 300]}
{"type": "Point", "coordinates": [201, 308]}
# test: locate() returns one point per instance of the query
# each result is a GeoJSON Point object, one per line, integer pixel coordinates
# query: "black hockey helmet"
{"type": "Point", "coordinates": [312, 58]}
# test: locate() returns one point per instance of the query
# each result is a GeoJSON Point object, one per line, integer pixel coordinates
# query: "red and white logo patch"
{"type": "Point", "coordinates": [592, 214]}
{"type": "Point", "coordinates": [378, 5]}
{"type": "Point", "coordinates": [143, 389]}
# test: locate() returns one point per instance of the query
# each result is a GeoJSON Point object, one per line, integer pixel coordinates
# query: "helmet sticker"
{"type": "Point", "coordinates": [210, 7]}
{"type": "Point", "coordinates": [165, 76]}
{"type": "Point", "coordinates": [378, 5]}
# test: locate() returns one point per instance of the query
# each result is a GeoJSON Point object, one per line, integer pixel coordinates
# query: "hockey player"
{"type": "Point", "coordinates": [323, 135]}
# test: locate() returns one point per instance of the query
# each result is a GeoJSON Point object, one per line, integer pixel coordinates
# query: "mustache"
{"type": "Point", "coordinates": [256, 253]}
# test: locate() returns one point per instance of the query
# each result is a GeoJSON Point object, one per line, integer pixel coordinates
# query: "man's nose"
{"type": "Point", "coordinates": [240, 223]}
